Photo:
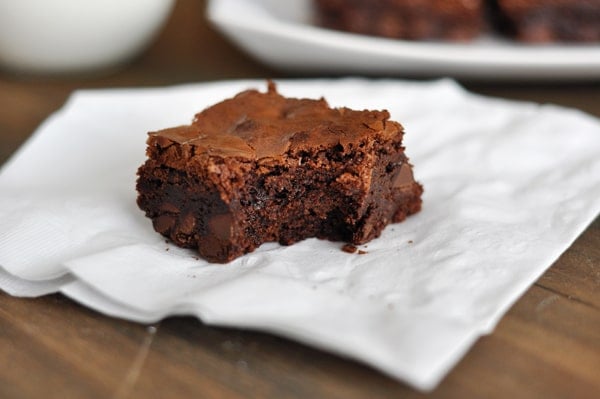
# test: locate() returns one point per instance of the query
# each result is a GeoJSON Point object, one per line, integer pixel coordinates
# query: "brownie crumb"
{"type": "Point", "coordinates": [349, 248]}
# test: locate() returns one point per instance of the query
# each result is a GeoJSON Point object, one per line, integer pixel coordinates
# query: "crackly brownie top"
{"type": "Point", "coordinates": [257, 125]}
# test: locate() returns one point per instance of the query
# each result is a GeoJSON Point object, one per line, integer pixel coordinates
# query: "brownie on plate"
{"type": "Point", "coordinates": [540, 21]}
{"type": "Point", "coordinates": [260, 167]}
{"type": "Point", "coordinates": [455, 20]}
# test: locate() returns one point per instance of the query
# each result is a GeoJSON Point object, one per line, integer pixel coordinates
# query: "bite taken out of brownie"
{"type": "Point", "coordinates": [260, 167]}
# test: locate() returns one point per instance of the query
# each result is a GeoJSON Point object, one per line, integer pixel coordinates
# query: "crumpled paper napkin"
{"type": "Point", "coordinates": [508, 187]}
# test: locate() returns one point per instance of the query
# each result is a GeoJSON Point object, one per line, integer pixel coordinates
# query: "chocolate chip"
{"type": "Point", "coordinates": [187, 224]}
{"type": "Point", "coordinates": [164, 223]}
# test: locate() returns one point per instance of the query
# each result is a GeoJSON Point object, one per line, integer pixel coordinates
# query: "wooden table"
{"type": "Point", "coordinates": [547, 346]}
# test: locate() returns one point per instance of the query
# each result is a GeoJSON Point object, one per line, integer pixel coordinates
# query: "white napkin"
{"type": "Point", "coordinates": [508, 187]}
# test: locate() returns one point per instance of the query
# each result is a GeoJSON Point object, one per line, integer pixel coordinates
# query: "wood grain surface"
{"type": "Point", "coordinates": [547, 345]}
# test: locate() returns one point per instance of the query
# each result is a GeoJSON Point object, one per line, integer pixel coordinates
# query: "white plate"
{"type": "Point", "coordinates": [281, 34]}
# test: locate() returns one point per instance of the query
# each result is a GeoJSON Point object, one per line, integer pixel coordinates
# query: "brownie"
{"type": "Point", "coordinates": [260, 167]}
{"type": "Point", "coordinates": [455, 20]}
{"type": "Point", "coordinates": [540, 21]}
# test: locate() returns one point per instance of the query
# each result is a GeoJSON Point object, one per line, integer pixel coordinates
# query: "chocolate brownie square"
{"type": "Point", "coordinates": [260, 167]}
